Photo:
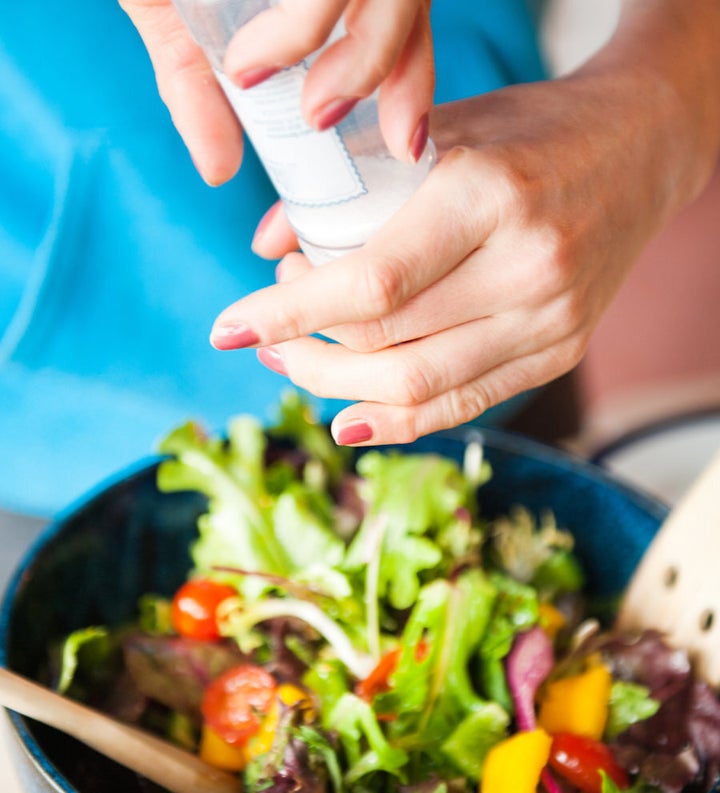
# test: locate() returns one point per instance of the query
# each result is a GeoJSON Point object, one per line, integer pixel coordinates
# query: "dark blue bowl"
{"type": "Point", "coordinates": [126, 539]}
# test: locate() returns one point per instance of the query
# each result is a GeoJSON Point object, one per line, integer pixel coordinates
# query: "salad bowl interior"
{"type": "Point", "coordinates": [127, 538]}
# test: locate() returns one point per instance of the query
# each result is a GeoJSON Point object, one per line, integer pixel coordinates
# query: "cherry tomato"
{"type": "Point", "coordinates": [194, 607]}
{"type": "Point", "coordinates": [236, 703]}
{"type": "Point", "coordinates": [580, 760]}
{"type": "Point", "coordinates": [378, 681]}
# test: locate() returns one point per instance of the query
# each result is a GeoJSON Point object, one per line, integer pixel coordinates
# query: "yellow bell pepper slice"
{"type": "Point", "coordinates": [552, 620]}
{"type": "Point", "coordinates": [288, 694]}
{"type": "Point", "coordinates": [216, 751]}
{"type": "Point", "coordinates": [577, 704]}
{"type": "Point", "coordinates": [515, 764]}
{"type": "Point", "coordinates": [291, 694]}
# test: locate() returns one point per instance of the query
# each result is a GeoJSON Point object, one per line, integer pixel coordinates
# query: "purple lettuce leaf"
{"type": "Point", "coordinates": [175, 671]}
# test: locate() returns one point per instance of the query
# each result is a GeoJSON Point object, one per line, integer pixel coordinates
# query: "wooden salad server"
{"type": "Point", "coordinates": [167, 765]}
{"type": "Point", "coordinates": [676, 586]}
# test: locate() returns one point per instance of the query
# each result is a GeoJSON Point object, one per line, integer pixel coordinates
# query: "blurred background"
{"type": "Point", "coordinates": [655, 354]}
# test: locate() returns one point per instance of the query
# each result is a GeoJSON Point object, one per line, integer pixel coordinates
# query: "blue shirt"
{"type": "Point", "coordinates": [115, 257]}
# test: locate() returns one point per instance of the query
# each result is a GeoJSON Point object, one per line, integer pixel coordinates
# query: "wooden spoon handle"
{"type": "Point", "coordinates": [175, 769]}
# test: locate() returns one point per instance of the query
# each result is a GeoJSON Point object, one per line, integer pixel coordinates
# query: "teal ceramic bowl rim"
{"type": "Point", "coordinates": [55, 527]}
{"type": "Point", "coordinates": [503, 440]}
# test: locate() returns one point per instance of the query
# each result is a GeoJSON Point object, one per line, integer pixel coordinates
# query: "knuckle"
{"type": "Point", "coordinates": [384, 286]}
{"type": "Point", "coordinates": [375, 71]}
{"type": "Point", "coordinates": [550, 263]}
{"type": "Point", "coordinates": [287, 323]}
{"type": "Point", "coordinates": [568, 313]}
{"type": "Point", "coordinates": [573, 350]}
{"type": "Point", "coordinates": [469, 193]}
{"type": "Point", "coordinates": [473, 401]}
{"type": "Point", "coordinates": [414, 382]}
{"type": "Point", "coordinates": [556, 263]}
{"type": "Point", "coordinates": [468, 402]}
{"type": "Point", "coordinates": [457, 156]}
{"type": "Point", "coordinates": [180, 50]}
{"type": "Point", "coordinates": [304, 27]}
{"type": "Point", "coordinates": [405, 427]}
{"type": "Point", "coordinates": [369, 337]}
{"type": "Point", "coordinates": [307, 39]}
{"type": "Point", "coordinates": [517, 189]}
{"type": "Point", "coordinates": [519, 185]}
{"type": "Point", "coordinates": [182, 59]}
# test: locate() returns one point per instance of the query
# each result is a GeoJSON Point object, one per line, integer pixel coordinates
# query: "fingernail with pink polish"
{"type": "Point", "coordinates": [334, 112]}
{"type": "Point", "coordinates": [233, 337]}
{"type": "Point", "coordinates": [419, 139]}
{"type": "Point", "coordinates": [270, 357]}
{"type": "Point", "coordinates": [355, 432]}
{"type": "Point", "coordinates": [253, 77]}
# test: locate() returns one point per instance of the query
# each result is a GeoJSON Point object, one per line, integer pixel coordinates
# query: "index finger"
{"type": "Point", "coordinates": [187, 85]}
{"type": "Point", "coordinates": [437, 228]}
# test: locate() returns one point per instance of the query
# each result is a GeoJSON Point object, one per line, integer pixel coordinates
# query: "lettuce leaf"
{"type": "Point", "coordinates": [298, 423]}
{"type": "Point", "coordinates": [366, 748]}
{"type": "Point", "coordinates": [431, 695]}
{"type": "Point", "coordinates": [629, 704]}
{"type": "Point", "coordinates": [248, 527]}
{"type": "Point", "coordinates": [640, 786]}
{"type": "Point", "coordinates": [415, 497]}
{"type": "Point", "coordinates": [94, 640]}
{"type": "Point", "coordinates": [236, 531]}
{"type": "Point", "coordinates": [472, 739]}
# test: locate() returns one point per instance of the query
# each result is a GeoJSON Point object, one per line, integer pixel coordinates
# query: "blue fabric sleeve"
{"type": "Point", "coordinates": [115, 257]}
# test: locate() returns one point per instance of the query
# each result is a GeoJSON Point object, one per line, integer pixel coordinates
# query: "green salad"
{"type": "Point", "coordinates": [356, 623]}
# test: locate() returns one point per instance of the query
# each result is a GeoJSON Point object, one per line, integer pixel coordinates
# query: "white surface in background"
{"type": "Point", "coordinates": [666, 462]}
{"type": "Point", "coordinates": [574, 29]}
{"type": "Point", "coordinates": [9, 783]}
{"type": "Point", "coordinates": [16, 535]}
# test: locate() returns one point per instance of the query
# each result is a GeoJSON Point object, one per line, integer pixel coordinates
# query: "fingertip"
{"type": "Point", "coordinates": [404, 123]}
{"type": "Point", "coordinates": [274, 236]}
{"type": "Point", "coordinates": [271, 358]}
{"type": "Point", "coordinates": [253, 76]}
{"type": "Point", "coordinates": [331, 113]}
{"type": "Point", "coordinates": [406, 96]}
{"type": "Point", "coordinates": [218, 154]}
{"type": "Point", "coordinates": [351, 432]}
{"type": "Point", "coordinates": [216, 146]}
{"type": "Point", "coordinates": [217, 175]}
{"type": "Point", "coordinates": [229, 335]}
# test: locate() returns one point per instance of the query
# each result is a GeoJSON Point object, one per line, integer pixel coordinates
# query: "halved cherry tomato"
{"type": "Point", "coordinates": [580, 760]}
{"type": "Point", "coordinates": [378, 681]}
{"type": "Point", "coordinates": [195, 605]}
{"type": "Point", "coordinates": [216, 751]}
{"type": "Point", "coordinates": [236, 703]}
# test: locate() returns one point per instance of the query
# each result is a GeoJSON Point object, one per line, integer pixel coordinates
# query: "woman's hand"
{"type": "Point", "coordinates": [387, 45]}
{"type": "Point", "coordinates": [491, 279]}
